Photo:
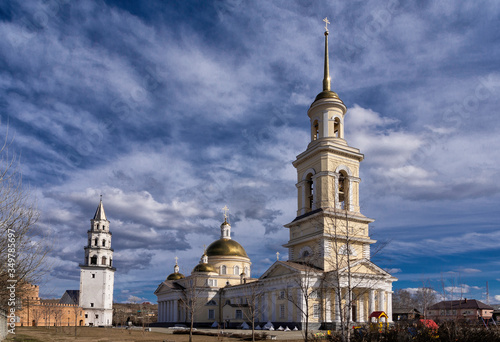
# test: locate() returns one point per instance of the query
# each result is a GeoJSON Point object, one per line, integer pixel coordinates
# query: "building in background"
{"type": "Point", "coordinates": [463, 309]}
{"type": "Point", "coordinates": [97, 273]}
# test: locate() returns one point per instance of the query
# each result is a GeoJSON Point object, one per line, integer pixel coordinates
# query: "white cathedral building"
{"type": "Point", "coordinates": [97, 273]}
{"type": "Point", "coordinates": [329, 278]}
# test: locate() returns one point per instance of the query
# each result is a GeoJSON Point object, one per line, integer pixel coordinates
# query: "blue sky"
{"type": "Point", "coordinates": [173, 109]}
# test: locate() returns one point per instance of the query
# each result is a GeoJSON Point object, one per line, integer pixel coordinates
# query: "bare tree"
{"type": "Point", "coordinates": [253, 294]}
{"type": "Point", "coordinates": [305, 282]}
{"type": "Point", "coordinates": [22, 253]}
{"type": "Point", "coordinates": [191, 300]}
{"type": "Point", "coordinates": [425, 297]}
{"type": "Point", "coordinates": [345, 264]}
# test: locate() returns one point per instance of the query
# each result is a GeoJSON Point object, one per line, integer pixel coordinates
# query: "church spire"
{"type": "Point", "coordinates": [327, 92]}
{"type": "Point", "coordinates": [99, 213]}
{"type": "Point", "coordinates": [326, 77]}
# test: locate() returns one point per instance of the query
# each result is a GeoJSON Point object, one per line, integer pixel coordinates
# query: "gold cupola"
{"type": "Point", "coordinates": [176, 275]}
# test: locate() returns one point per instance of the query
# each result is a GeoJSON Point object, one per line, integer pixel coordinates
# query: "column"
{"type": "Point", "coordinates": [348, 304]}
{"type": "Point", "coordinates": [382, 301]}
{"type": "Point", "coordinates": [159, 312]}
{"type": "Point", "coordinates": [273, 303]}
{"type": "Point", "coordinates": [337, 309]}
{"type": "Point", "coordinates": [328, 308]}
{"type": "Point", "coordinates": [372, 302]}
{"type": "Point", "coordinates": [361, 308]}
{"type": "Point", "coordinates": [176, 311]}
{"type": "Point", "coordinates": [389, 305]}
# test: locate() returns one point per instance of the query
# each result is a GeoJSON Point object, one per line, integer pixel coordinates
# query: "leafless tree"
{"type": "Point", "coordinates": [22, 252]}
{"type": "Point", "coordinates": [191, 299]}
{"type": "Point", "coordinates": [251, 309]}
{"type": "Point", "coordinates": [425, 297]}
{"type": "Point", "coordinates": [344, 276]}
{"type": "Point", "coordinates": [305, 282]}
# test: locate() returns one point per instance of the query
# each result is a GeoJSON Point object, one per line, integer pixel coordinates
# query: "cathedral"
{"type": "Point", "coordinates": [328, 280]}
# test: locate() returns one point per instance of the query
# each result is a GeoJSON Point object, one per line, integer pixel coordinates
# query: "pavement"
{"type": "Point", "coordinates": [280, 335]}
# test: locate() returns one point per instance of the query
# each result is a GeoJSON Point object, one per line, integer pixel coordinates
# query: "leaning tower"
{"type": "Point", "coordinates": [97, 273]}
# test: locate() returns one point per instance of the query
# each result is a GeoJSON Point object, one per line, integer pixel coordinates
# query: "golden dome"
{"type": "Point", "coordinates": [175, 276]}
{"type": "Point", "coordinates": [204, 268]}
{"type": "Point", "coordinates": [226, 247]}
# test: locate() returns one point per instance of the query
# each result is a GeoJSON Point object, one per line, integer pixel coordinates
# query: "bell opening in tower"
{"type": "Point", "coordinates": [342, 190]}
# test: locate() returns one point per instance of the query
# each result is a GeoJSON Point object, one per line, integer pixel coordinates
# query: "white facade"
{"type": "Point", "coordinates": [97, 273]}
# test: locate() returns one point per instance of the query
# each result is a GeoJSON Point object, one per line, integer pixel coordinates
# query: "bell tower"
{"type": "Point", "coordinates": [97, 272]}
{"type": "Point", "coordinates": [328, 219]}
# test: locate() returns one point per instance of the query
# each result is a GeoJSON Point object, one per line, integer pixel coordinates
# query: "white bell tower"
{"type": "Point", "coordinates": [97, 273]}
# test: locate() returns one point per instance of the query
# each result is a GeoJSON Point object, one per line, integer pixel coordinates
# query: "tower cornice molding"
{"type": "Point", "coordinates": [325, 145]}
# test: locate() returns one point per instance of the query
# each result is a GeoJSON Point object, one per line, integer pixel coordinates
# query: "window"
{"type": "Point", "coordinates": [282, 311]}
{"type": "Point", "coordinates": [223, 269]}
{"type": "Point", "coordinates": [239, 314]}
{"type": "Point", "coordinates": [336, 128]}
{"type": "Point", "coordinates": [282, 295]}
{"type": "Point", "coordinates": [93, 275]}
{"type": "Point", "coordinates": [95, 242]}
{"type": "Point", "coordinates": [343, 189]}
{"type": "Point", "coordinates": [313, 294]}
{"type": "Point", "coordinates": [93, 260]}
{"type": "Point", "coordinates": [236, 270]}
{"type": "Point", "coordinates": [316, 310]}
{"type": "Point", "coordinates": [247, 271]}
{"type": "Point", "coordinates": [211, 314]}
{"type": "Point", "coordinates": [91, 305]}
{"type": "Point", "coordinates": [104, 243]}
{"type": "Point", "coordinates": [103, 260]}
{"type": "Point", "coordinates": [86, 316]}
{"type": "Point", "coordinates": [212, 282]}
{"type": "Point", "coordinates": [315, 130]}
{"type": "Point", "coordinates": [96, 316]}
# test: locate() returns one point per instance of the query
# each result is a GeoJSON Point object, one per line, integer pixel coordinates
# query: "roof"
{"type": "Point", "coordinates": [460, 304]}
{"type": "Point", "coordinates": [378, 314]}
{"type": "Point", "coordinates": [70, 297]}
{"type": "Point", "coordinates": [99, 213]}
{"type": "Point", "coordinates": [226, 247]}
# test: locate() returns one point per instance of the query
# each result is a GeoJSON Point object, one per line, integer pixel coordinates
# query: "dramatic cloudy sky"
{"type": "Point", "coordinates": [173, 109]}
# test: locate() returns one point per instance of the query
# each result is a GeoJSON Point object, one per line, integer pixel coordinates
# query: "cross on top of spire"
{"type": "Point", "coordinates": [176, 258]}
{"type": "Point", "coordinates": [326, 23]}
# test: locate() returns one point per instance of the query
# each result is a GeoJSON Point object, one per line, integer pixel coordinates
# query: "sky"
{"type": "Point", "coordinates": [173, 109]}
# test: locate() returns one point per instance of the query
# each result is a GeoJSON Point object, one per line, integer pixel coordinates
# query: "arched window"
{"type": "Point", "coordinates": [223, 269]}
{"type": "Point", "coordinates": [310, 192]}
{"type": "Point", "coordinates": [93, 260]}
{"type": "Point", "coordinates": [110, 262]}
{"type": "Point", "coordinates": [247, 271]}
{"type": "Point", "coordinates": [336, 128]}
{"type": "Point", "coordinates": [103, 242]}
{"type": "Point", "coordinates": [305, 254]}
{"type": "Point", "coordinates": [315, 130]}
{"type": "Point", "coordinates": [236, 270]}
{"type": "Point", "coordinates": [342, 189]}
{"type": "Point", "coordinates": [103, 261]}
{"type": "Point", "coordinates": [95, 242]}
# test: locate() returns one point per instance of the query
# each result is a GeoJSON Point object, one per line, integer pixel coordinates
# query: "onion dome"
{"type": "Point", "coordinates": [226, 247]}
{"type": "Point", "coordinates": [204, 268]}
{"type": "Point", "coordinates": [176, 275]}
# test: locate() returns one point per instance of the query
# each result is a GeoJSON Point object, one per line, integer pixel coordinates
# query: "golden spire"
{"type": "Point", "coordinates": [327, 92]}
{"type": "Point", "coordinates": [326, 78]}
